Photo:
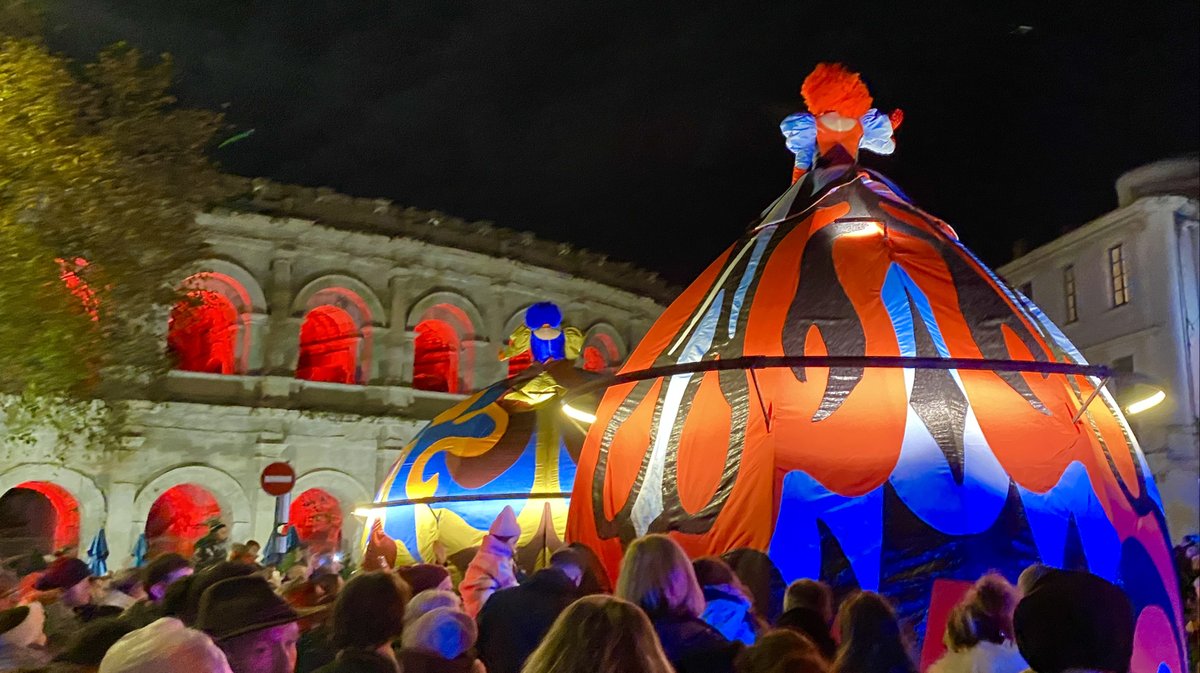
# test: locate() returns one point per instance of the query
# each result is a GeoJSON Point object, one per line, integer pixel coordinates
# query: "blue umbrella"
{"type": "Point", "coordinates": [98, 553]}
{"type": "Point", "coordinates": [140, 549]}
{"type": "Point", "coordinates": [293, 539]}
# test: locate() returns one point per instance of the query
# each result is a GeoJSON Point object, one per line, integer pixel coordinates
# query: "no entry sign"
{"type": "Point", "coordinates": [277, 479]}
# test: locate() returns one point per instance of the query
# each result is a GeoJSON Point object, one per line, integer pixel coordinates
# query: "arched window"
{"type": "Point", "coordinates": [38, 515]}
{"type": "Point", "coordinates": [600, 353]}
{"type": "Point", "coordinates": [329, 347]}
{"type": "Point", "coordinates": [519, 362]}
{"type": "Point", "coordinates": [435, 357]}
{"type": "Point", "coordinates": [202, 333]}
{"type": "Point", "coordinates": [317, 517]}
{"type": "Point", "coordinates": [178, 518]}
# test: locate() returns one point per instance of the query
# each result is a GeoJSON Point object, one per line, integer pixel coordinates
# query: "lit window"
{"type": "Point", "coordinates": [435, 357]}
{"type": "Point", "coordinates": [1118, 275]}
{"type": "Point", "coordinates": [329, 346]}
{"type": "Point", "coordinates": [1069, 293]}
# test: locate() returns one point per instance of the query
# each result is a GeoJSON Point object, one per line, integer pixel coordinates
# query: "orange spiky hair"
{"type": "Point", "coordinates": [832, 88]}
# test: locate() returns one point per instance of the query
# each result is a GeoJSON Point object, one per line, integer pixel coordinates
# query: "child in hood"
{"type": "Point", "coordinates": [492, 568]}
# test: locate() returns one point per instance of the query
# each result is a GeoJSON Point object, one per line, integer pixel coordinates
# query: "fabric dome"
{"type": "Point", "coordinates": [940, 442]}
{"type": "Point", "coordinates": [498, 447]}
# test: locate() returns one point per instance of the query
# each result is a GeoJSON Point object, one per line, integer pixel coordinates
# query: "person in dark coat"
{"type": "Point", "coordinates": [1072, 620]}
{"type": "Point", "coordinates": [514, 620]}
{"type": "Point", "coordinates": [657, 576]}
{"type": "Point", "coordinates": [808, 610]}
{"type": "Point", "coordinates": [367, 617]}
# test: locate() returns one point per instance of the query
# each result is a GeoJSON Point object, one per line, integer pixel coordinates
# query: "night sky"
{"type": "Point", "coordinates": [649, 130]}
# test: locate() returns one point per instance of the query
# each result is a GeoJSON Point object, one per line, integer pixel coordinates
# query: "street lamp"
{"type": "Point", "coordinates": [1137, 393]}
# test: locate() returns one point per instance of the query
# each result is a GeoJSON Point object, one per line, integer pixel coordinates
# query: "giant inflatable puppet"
{"type": "Point", "coordinates": [850, 389]}
{"type": "Point", "coordinates": [506, 445]}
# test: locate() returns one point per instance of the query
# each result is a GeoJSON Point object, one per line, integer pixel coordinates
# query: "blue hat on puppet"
{"type": "Point", "coordinates": [546, 341]}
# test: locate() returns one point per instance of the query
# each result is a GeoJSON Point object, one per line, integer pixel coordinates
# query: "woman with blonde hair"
{"type": "Point", "coordinates": [979, 632]}
{"type": "Point", "coordinates": [599, 634]}
{"type": "Point", "coordinates": [657, 576]}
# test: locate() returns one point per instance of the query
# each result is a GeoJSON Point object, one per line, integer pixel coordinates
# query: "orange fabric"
{"type": "Point", "coordinates": [831, 87]}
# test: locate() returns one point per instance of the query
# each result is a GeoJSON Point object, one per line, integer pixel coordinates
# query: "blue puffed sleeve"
{"type": "Point", "coordinates": [800, 134]}
{"type": "Point", "coordinates": [877, 133]}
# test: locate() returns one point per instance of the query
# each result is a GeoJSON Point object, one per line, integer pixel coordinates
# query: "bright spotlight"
{"type": "Point", "coordinates": [578, 414]}
{"type": "Point", "coordinates": [1145, 403]}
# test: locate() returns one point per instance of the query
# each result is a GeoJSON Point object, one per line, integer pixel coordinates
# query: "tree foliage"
{"type": "Point", "coordinates": [101, 176]}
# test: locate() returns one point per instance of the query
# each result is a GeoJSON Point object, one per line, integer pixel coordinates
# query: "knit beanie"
{"type": "Point", "coordinates": [445, 632]}
{"type": "Point", "coordinates": [165, 645]}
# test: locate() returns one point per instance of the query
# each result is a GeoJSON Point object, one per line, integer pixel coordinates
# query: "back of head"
{"type": "Point", "coordinates": [423, 576]}
{"type": "Point", "coordinates": [430, 599]}
{"type": "Point", "coordinates": [1075, 620]}
{"type": "Point", "coordinates": [781, 651]}
{"type": "Point", "coordinates": [165, 645]}
{"type": "Point", "coordinates": [595, 577]}
{"type": "Point", "coordinates": [657, 576]}
{"type": "Point", "coordinates": [369, 610]}
{"type": "Point", "coordinates": [811, 594]}
{"type": "Point", "coordinates": [812, 625]}
{"type": "Point", "coordinates": [871, 639]}
{"type": "Point", "coordinates": [161, 568]}
{"type": "Point", "coordinates": [761, 577]}
{"type": "Point", "coordinates": [446, 632]}
{"type": "Point", "coordinates": [983, 615]}
{"type": "Point", "coordinates": [599, 634]}
{"type": "Point", "coordinates": [570, 562]}
{"type": "Point", "coordinates": [1030, 576]}
{"type": "Point", "coordinates": [712, 571]}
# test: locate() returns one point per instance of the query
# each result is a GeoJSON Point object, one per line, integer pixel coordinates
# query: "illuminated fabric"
{"type": "Point", "coordinates": [490, 444]}
{"type": "Point", "coordinates": [867, 477]}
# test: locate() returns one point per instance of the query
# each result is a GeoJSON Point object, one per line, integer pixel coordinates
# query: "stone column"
{"type": "Point", "coordinates": [122, 527]}
{"type": "Point", "coordinates": [479, 365]}
{"type": "Point", "coordinates": [395, 349]}
{"type": "Point", "coordinates": [283, 331]}
{"type": "Point", "coordinates": [257, 332]}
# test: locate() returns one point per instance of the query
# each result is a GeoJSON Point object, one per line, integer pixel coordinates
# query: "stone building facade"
{"type": "Point", "coordinates": [334, 328]}
{"type": "Point", "coordinates": [1124, 289]}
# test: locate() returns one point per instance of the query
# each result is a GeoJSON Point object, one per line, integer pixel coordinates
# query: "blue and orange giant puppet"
{"type": "Point", "coordinates": [850, 389]}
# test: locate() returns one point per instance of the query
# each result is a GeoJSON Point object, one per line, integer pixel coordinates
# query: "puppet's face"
{"type": "Point", "coordinates": [835, 121]}
{"type": "Point", "coordinates": [547, 332]}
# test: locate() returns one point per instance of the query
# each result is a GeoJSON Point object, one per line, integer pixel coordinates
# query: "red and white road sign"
{"type": "Point", "coordinates": [277, 479]}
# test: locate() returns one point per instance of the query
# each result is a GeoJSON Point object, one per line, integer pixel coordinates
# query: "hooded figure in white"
{"type": "Point", "coordinates": [492, 568]}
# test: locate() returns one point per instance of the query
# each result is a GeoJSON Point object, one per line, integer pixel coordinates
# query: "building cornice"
{"type": "Point", "coordinates": [326, 207]}
{"type": "Point", "coordinates": [1097, 228]}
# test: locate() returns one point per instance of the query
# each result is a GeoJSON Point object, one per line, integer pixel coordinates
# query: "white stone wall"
{"type": "Point", "coordinates": [1158, 327]}
{"type": "Point", "coordinates": [219, 431]}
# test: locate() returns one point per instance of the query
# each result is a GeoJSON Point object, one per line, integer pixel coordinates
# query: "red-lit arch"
{"type": "Point", "coordinates": [329, 346]}
{"type": "Point", "coordinates": [202, 333]}
{"type": "Point", "coordinates": [317, 517]}
{"type": "Point", "coordinates": [63, 528]}
{"type": "Point", "coordinates": [435, 357]}
{"type": "Point", "coordinates": [600, 354]}
{"type": "Point", "coordinates": [178, 518]}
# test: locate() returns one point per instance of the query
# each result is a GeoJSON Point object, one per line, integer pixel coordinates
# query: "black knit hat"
{"type": "Point", "coordinates": [1075, 620]}
{"type": "Point", "coordinates": [12, 618]}
{"type": "Point", "coordinates": [64, 573]}
{"type": "Point", "coordinates": [242, 605]}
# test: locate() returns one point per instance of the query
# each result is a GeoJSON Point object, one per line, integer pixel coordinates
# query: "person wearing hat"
{"type": "Point", "coordinates": [88, 648]}
{"type": "Point", "coordinates": [255, 628]}
{"type": "Point", "coordinates": [425, 576]}
{"type": "Point", "coordinates": [70, 579]}
{"type": "Point", "coordinates": [1074, 621]}
{"type": "Point", "coordinates": [213, 547]}
{"type": "Point", "coordinates": [22, 638]}
{"type": "Point", "coordinates": [440, 641]}
{"type": "Point", "coordinates": [165, 645]}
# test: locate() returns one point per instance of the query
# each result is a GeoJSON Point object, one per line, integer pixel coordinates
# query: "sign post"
{"type": "Point", "coordinates": [278, 479]}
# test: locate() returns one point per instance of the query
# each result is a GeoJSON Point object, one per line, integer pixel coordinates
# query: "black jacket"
{"type": "Point", "coordinates": [693, 646]}
{"type": "Point", "coordinates": [514, 621]}
{"type": "Point", "coordinates": [359, 661]}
